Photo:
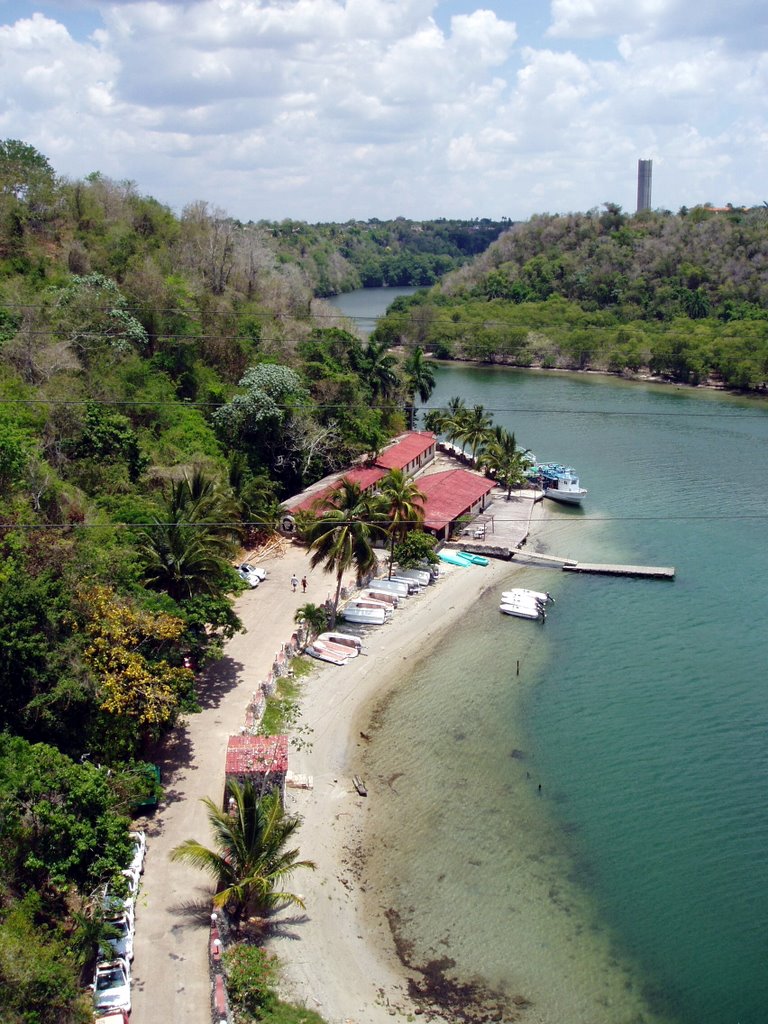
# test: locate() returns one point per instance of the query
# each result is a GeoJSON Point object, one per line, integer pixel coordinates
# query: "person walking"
{"type": "Point", "coordinates": [294, 582]}
{"type": "Point", "coordinates": [303, 584]}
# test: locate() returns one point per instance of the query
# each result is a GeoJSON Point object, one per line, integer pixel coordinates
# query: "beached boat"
{"type": "Point", "coordinates": [537, 595]}
{"type": "Point", "coordinates": [380, 595]}
{"type": "Point", "coordinates": [399, 587]}
{"type": "Point", "coordinates": [561, 483]}
{"type": "Point", "coordinates": [353, 644]}
{"type": "Point", "coordinates": [422, 576]}
{"type": "Point", "coordinates": [365, 615]}
{"type": "Point", "coordinates": [453, 558]}
{"type": "Point", "coordinates": [331, 653]}
{"type": "Point", "coordinates": [475, 559]}
{"type": "Point", "coordinates": [414, 587]}
{"type": "Point", "coordinates": [523, 610]}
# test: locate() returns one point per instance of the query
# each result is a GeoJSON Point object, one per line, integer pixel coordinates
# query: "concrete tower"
{"type": "Point", "coordinates": [644, 177]}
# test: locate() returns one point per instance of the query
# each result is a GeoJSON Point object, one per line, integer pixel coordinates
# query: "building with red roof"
{"type": "Point", "coordinates": [410, 452]}
{"type": "Point", "coordinates": [451, 495]}
{"type": "Point", "coordinates": [262, 760]}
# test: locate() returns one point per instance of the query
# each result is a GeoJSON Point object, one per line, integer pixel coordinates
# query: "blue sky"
{"type": "Point", "coordinates": [340, 109]}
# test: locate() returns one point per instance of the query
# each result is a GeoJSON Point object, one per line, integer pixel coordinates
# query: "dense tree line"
{"type": "Point", "coordinates": [682, 296]}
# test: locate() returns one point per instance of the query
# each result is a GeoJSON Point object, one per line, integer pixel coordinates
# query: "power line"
{"type": "Point", "coordinates": [234, 525]}
{"type": "Point", "coordinates": [521, 410]}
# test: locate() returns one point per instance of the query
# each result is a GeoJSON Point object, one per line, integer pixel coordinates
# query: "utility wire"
{"type": "Point", "coordinates": [684, 517]}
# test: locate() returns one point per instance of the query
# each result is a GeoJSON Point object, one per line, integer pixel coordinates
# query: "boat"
{"type": "Point", "coordinates": [453, 558]}
{"type": "Point", "coordinates": [523, 610]}
{"type": "Point", "coordinates": [539, 595]}
{"type": "Point", "coordinates": [380, 595]}
{"type": "Point", "coordinates": [324, 651]}
{"type": "Point", "coordinates": [421, 576]}
{"type": "Point", "coordinates": [475, 559]}
{"type": "Point", "coordinates": [366, 615]}
{"type": "Point", "coordinates": [414, 587]}
{"type": "Point", "coordinates": [352, 643]}
{"type": "Point", "coordinates": [399, 587]}
{"type": "Point", "coordinates": [561, 483]}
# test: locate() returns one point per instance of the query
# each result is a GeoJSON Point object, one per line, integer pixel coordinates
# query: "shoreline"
{"type": "Point", "coordinates": [343, 957]}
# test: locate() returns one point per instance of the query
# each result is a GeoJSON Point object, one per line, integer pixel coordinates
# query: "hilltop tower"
{"type": "Point", "coordinates": [644, 177]}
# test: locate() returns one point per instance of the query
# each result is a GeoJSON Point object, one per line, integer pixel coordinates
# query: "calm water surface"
{"type": "Point", "coordinates": [366, 305]}
{"type": "Point", "coordinates": [636, 880]}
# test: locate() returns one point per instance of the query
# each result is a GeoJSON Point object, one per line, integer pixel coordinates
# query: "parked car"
{"type": "Point", "coordinates": [250, 572]}
{"type": "Point", "coordinates": [121, 944]}
{"type": "Point", "coordinates": [113, 905]}
{"type": "Point", "coordinates": [132, 877]}
{"type": "Point", "coordinates": [112, 986]}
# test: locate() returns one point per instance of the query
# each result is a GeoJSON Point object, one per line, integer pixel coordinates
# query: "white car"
{"type": "Point", "coordinates": [252, 573]}
{"type": "Point", "coordinates": [133, 878]}
{"type": "Point", "coordinates": [121, 944]}
{"type": "Point", "coordinates": [139, 841]}
{"type": "Point", "coordinates": [112, 986]}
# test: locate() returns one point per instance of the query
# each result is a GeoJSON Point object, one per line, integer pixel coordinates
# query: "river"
{"type": "Point", "coordinates": [633, 885]}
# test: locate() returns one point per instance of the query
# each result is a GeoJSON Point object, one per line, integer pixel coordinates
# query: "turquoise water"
{"type": "Point", "coordinates": [634, 885]}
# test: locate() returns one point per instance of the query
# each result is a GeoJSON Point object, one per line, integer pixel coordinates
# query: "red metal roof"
{"type": "Point", "coordinates": [409, 447]}
{"type": "Point", "coordinates": [450, 494]}
{"type": "Point", "coordinates": [364, 476]}
{"type": "Point", "coordinates": [256, 755]}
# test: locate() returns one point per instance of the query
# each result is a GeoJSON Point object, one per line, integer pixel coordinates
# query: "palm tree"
{"type": "Point", "coordinates": [419, 380]}
{"type": "Point", "coordinates": [249, 863]}
{"type": "Point", "coordinates": [379, 369]}
{"type": "Point", "coordinates": [474, 428]}
{"type": "Point", "coordinates": [314, 619]}
{"type": "Point", "coordinates": [406, 508]}
{"type": "Point", "coordinates": [447, 421]}
{"type": "Point", "coordinates": [348, 524]}
{"type": "Point", "coordinates": [505, 459]}
{"type": "Point", "coordinates": [188, 547]}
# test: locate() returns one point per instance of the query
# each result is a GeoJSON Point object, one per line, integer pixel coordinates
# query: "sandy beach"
{"type": "Point", "coordinates": [339, 958]}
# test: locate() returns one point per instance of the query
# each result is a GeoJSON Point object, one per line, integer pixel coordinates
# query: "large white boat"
{"type": "Point", "coordinates": [561, 483]}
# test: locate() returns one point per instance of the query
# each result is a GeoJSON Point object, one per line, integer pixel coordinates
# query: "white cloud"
{"type": "Point", "coordinates": [326, 109]}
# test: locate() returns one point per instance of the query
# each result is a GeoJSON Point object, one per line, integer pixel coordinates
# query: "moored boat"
{"type": "Point", "coordinates": [523, 610]}
{"type": "Point", "coordinates": [561, 483]}
{"type": "Point", "coordinates": [538, 595]}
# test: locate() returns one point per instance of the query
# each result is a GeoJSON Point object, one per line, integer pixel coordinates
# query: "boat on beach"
{"type": "Point", "coordinates": [347, 640]}
{"type": "Point", "coordinates": [394, 586]}
{"type": "Point", "coordinates": [453, 558]}
{"type": "Point", "coordinates": [475, 559]}
{"type": "Point", "coordinates": [384, 596]}
{"type": "Point", "coordinates": [332, 653]}
{"type": "Point", "coordinates": [560, 483]}
{"type": "Point", "coordinates": [364, 615]}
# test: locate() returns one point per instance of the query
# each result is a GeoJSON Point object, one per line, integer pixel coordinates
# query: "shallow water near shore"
{"type": "Point", "coordinates": [633, 886]}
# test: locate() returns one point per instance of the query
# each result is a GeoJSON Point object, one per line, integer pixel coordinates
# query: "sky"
{"type": "Point", "coordinates": [333, 110]}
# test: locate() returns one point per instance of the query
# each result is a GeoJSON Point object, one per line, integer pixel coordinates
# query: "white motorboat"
{"type": "Point", "coordinates": [414, 587]}
{"type": "Point", "coordinates": [523, 610]}
{"type": "Point", "coordinates": [365, 615]}
{"type": "Point", "coordinates": [399, 587]}
{"type": "Point", "coordinates": [561, 483]}
{"type": "Point", "coordinates": [537, 595]}
{"type": "Point", "coordinates": [422, 576]}
{"type": "Point", "coordinates": [353, 644]}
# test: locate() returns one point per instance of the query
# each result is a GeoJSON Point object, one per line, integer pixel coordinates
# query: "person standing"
{"type": "Point", "coordinates": [294, 582]}
{"type": "Point", "coordinates": [303, 584]}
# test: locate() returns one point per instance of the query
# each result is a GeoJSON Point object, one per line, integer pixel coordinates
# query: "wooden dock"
{"type": "Point", "coordinates": [648, 572]}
